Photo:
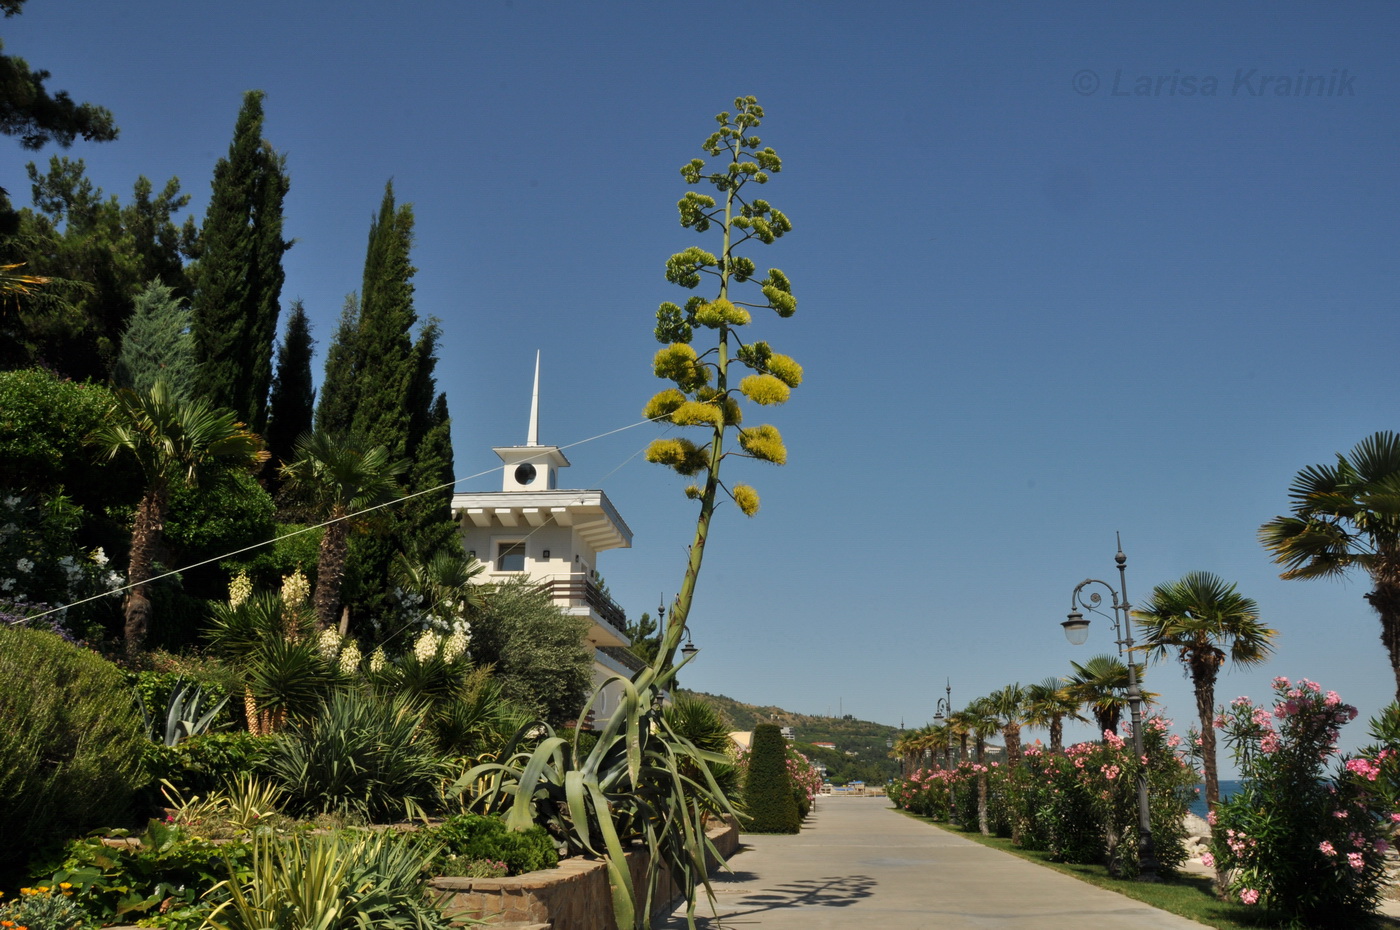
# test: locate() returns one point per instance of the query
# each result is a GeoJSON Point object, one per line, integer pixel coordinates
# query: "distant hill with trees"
{"type": "Point", "coordinates": [861, 753]}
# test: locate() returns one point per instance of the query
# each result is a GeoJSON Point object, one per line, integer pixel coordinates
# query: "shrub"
{"type": "Point", "coordinates": [1293, 839]}
{"type": "Point", "coordinates": [71, 741]}
{"type": "Point", "coordinates": [202, 764]}
{"type": "Point", "coordinates": [467, 838]}
{"type": "Point", "coordinates": [48, 906]}
{"type": "Point", "coordinates": [768, 793]}
{"type": "Point", "coordinates": [361, 754]}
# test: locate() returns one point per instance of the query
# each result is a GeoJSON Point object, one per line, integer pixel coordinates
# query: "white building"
{"type": "Point", "coordinates": [533, 528]}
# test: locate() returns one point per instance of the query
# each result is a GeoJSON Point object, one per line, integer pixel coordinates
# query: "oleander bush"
{"type": "Point", "coordinates": [71, 741]}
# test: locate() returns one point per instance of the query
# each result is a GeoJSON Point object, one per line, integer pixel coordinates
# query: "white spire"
{"type": "Point", "coordinates": [533, 437]}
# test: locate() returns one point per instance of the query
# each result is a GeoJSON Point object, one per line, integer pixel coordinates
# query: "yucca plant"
{"type": "Point", "coordinates": [641, 780]}
{"type": "Point", "coordinates": [330, 882]}
{"type": "Point", "coordinates": [360, 754]}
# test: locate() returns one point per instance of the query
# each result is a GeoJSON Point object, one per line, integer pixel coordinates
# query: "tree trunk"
{"type": "Point", "coordinates": [1057, 733]}
{"type": "Point", "coordinates": [1203, 677]}
{"type": "Point", "coordinates": [982, 790]}
{"type": "Point", "coordinates": [146, 532]}
{"type": "Point", "coordinates": [330, 571]}
{"type": "Point", "coordinates": [1386, 601]}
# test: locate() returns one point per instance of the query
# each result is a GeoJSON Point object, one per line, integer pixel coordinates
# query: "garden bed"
{"type": "Point", "coordinates": [572, 896]}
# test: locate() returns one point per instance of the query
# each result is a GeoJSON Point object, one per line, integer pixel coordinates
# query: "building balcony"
{"type": "Point", "coordinates": [579, 596]}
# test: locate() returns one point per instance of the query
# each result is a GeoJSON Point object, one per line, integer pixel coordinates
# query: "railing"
{"type": "Point", "coordinates": [578, 590]}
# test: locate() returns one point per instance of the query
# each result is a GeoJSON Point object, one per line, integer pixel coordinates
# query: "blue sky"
{"type": "Point", "coordinates": [1033, 310]}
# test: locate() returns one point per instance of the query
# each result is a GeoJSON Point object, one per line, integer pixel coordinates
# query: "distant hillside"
{"type": "Point", "coordinates": [862, 750]}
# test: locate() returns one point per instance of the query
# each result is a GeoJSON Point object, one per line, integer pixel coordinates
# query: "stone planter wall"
{"type": "Point", "coordinates": [573, 896]}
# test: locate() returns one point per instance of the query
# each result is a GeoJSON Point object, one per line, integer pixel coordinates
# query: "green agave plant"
{"type": "Point", "coordinates": [641, 780]}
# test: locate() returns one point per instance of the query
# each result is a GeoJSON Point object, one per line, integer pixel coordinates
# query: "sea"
{"type": "Point", "coordinates": [1227, 788]}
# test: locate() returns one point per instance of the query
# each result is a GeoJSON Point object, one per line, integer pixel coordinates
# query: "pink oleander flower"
{"type": "Point", "coordinates": [1364, 767]}
{"type": "Point", "coordinates": [1249, 896]}
{"type": "Point", "coordinates": [1333, 699]}
{"type": "Point", "coordinates": [1312, 686]}
{"type": "Point", "coordinates": [1173, 741]}
{"type": "Point", "coordinates": [1281, 682]}
{"type": "Point", "coordinates": [1395, 818]}
{"type": "Point", "coordinates": [1208, 861]}
{"type": "Point", "coordinates": [1269, 744]}
{"type": "Point", "coordinates": [1327, 849]}
{"type": "Point", "coordinates": [1340, 815]}
{"type": "Point", "coordinates": [1113, 739]}
{"type": "Point", "coordinates": [1355, 861]}
{"type": "Point", "coordinates": [1262, 718]}
{"type": "Point", "coordinates": [1211, 818]}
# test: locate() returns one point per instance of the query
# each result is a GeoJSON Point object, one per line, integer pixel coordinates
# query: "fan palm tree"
{"type": "Point", "coordinates": [1101, 685]}
{"type": "Point", "coordinates": [960, 727]}
{"type": "Point", "coordinates": [1204, 621]}
{"type": "Point", "coordinates": [1009, 707]}
{"type": "Point", "coordinates": [982, 722]}
{"type": "Point", "coordinates": [174, 441]}
{"type": "Point", "coordinates": [1048, 703]}
{"type": "Point", "coordinates": [1348, 515]}
{"type": "Point", "coordinates": [344, 477]}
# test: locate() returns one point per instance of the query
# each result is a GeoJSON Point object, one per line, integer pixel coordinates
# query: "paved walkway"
{"type": "Point", "coordinates": [858, 862]}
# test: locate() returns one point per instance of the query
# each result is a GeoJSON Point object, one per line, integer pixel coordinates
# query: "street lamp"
{"type": "Point", "coordinates": [1076, 628]}
{"type": "Point", "coordinates": [942, 710]}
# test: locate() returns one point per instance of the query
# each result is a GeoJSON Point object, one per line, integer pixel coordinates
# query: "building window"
{"type": "Point", "coordinates": [510, 557]}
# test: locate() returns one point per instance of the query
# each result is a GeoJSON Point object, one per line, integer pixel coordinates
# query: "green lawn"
{"type": "Point", "coordinates": [1190, 896]}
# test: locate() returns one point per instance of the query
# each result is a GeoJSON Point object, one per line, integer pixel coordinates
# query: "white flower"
{"type": "Point", "coordinates": [240, 589]}
{"type": "Point", "coordinates": [11, 501]}
{"type": "Point", "coordinates": [7, 584]}
{"type": "Point", "coordinates": [328, 643]}
{"type": "Point", "coordinates": [295, 588]}
{"type": "Point", "coordinates": [7, 529]}
{"type": "Point", "coordinates": [99, 557]}
{"type": "Point", "coordinates": [426, 645]}
{"type": "Point", "coordinates": [378, 660]}
{"type": "Point", "coordinates": [24, 565]}
{"type": "Point", "coordinates": [112, 580]}
{"type": "Point", "coordinates": [350, 659]}
{"type": "Point", "coordinates": [455, 645]}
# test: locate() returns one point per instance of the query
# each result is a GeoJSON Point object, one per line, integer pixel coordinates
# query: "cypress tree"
{"type": "Point", "coordinates": [389, 364]}
{"type": "Point", "coordinates": [768, 794]}
{"type": "Point", "coordinates": [290, 404]}
{"type": "Point", "coordinates": [239, 276]}
{"type": "Point", "coordinates": [335, 406]}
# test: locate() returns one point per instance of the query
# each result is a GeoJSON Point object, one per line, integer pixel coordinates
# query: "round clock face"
{"type": "Point", "coordinates": [524, 474]}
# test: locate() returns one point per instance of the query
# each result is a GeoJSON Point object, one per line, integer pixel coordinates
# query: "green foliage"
{"type": "Point", "coordinates": [203, 764]}
{"type": "Point", "coordinates": [538, 651]}
{"type": "Point", "coordinates": [473, 837]}
{"type": "Point", "coordinates": [188, 712]}
{"type": "Point", "coordinates": [46, 906]}
{"type": "Point", "coordinates": [292, 394]}
{"type": "Point", "coordinates": [97, 255]}
{"type": "Point", "coordinates": [28, 110]}
{"type": "Point", "coordinates": [124, 883]}
{"type": "Point", "coordinates": [769, 802]}
{"type": "Point", "coordinates": [341, 881]}
{"type": "Point", "coordinates": [704, 726]}
{"type": "Point", "coordinates": [44, 424]}
{"type": "Point", "coordinates": [157, 343]}
{"type": "Point", "coordinates": [239, 275]}
{"type": "Point", "coordinates": [360, 754]}
{"type": "Point", "coordinates": [72, 741]}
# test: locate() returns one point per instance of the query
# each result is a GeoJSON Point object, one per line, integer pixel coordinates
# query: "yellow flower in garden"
{"type": "Point", "coordinates": [65, 885]}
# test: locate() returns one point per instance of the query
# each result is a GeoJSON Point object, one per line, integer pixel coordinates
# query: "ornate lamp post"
{"type": "Point", "coordinates": [942, 710]}
{"type": "Point", "coordinates": [1077, 632]}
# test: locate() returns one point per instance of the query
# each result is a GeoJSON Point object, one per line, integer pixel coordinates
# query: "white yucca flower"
{"type": "Point", "coordinates": [350, 659]}
{"type": "Point", "coordinates": [240, 589]}
{"type": "Point", "coordinates": [378, 660]}
{"type": "Point", "coordinates": [328, 643]}
{"type": "Point", "coordinates": [295, 589]}
{"type": "Point", "coordinates": [455, 645]}
{"type": "Point", "coordinates": [426, 645]}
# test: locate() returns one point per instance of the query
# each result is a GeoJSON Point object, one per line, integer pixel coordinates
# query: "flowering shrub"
{"type": "Point", "coordinates": [926, 793]}
{"type": "Point", "coordinates": [806, 780]}
{"type": "Point", "coordinates": [1294, 839]}
{"type": "Point", "coordinates": [47, 907]}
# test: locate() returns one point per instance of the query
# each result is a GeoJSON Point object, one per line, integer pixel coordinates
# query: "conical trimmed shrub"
{"type": "Point", "coordinates": [768, 794]}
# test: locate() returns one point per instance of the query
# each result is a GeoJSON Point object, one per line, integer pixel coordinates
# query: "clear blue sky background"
{"type": "Point", "coordinates": [1031, 315]}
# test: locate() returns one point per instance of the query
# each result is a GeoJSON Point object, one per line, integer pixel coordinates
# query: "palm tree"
{"type": "Point", "coordinates": [1348, 515]}
{"type": "Point", "coordinates": [1101, 684]}
{"type": "Point", "coordinates": [960, 726]}
{"type": "Point", "coordinates": [1048, 703]}
{"type": "Point", "coordinates": [173, 441]}
{"type": "Point", "coordinates": [344, 478]}
{"type": "Point", "coordinates": [982, 722]}
{"type": "Point", "coordinates": [1009, 707]}
{"type": "Point", "coordinates": [1205, 621]}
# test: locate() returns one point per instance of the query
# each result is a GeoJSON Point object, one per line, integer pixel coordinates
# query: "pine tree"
{"type": "Point", "coordinates": [239, 276]}
{"type": "Point", "coordinates": [292, 397]}
{"type": "Point", "coordinates": [158, 344]}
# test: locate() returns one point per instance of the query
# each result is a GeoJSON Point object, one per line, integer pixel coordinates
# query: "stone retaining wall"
{"type": "Point", "coordinates": [573, 896]}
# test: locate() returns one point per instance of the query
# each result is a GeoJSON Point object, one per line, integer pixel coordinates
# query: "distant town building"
{"type": "Point", "coordinates": [825, 745]}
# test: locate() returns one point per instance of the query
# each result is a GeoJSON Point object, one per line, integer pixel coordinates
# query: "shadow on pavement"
{"type": "Point", "coordinates": [740, 907]}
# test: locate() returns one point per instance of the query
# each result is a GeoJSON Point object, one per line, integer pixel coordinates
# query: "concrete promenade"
{"type": "Point", "coordinates": [859, 863]}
